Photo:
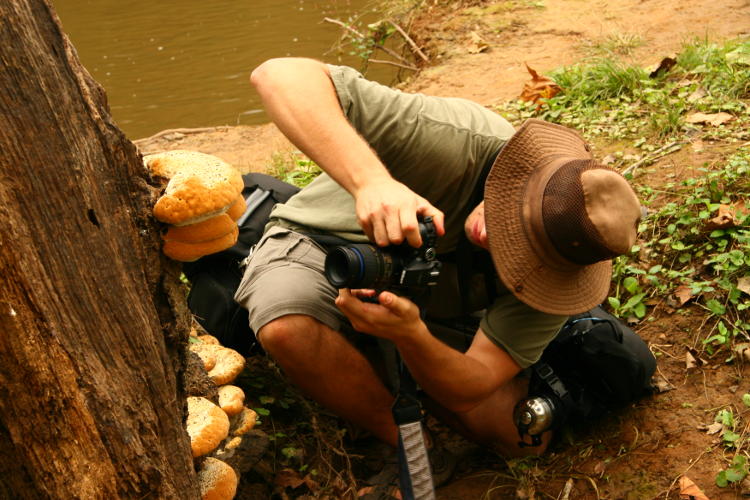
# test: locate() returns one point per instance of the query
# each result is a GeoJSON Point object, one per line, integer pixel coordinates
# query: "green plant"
{"type": "Point", "coordinates": [294, 168]}
{"type": "Point", "coordinates": [606, 97]}
{"type": "Point", "coordinates": [734, 441]}
{"type": "Point", "coordinates": [615, 43]}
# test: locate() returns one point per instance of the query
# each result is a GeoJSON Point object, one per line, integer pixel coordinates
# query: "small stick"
{"type": "Point", "coordinates": [652, 156]}
{"type": "Point", "coordinates": [411, 42]}
{"type": "Point", "coordinates": [393, 63]}
{"type": "Point", "coordinates": [180, 131]}
{"type": "Point", "coordinates": [360, 35]}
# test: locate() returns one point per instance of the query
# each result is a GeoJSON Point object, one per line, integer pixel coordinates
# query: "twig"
{"type": "Point", "coordinates": [677, 478]}
{"type": "Point", "coordinates": [653, 156]}
{"type": "Point", "coordinates": [180, 131]}
{"type": "Point", "coordinates": [408, 39]}
{"type": "Point", "coordinates": [385, 49]}
{"type": "Point", "coordinates": [393, 63]}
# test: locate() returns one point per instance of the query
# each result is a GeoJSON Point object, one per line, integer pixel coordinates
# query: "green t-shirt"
{"type": "Point", "coordinates": [438, 147]}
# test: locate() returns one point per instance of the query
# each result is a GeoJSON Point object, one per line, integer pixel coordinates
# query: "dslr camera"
{"type": "Point", "coordinates": [399, 268]}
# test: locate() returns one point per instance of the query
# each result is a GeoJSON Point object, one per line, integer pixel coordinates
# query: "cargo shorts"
{"type": "Point", "coordinates": [283, 276]}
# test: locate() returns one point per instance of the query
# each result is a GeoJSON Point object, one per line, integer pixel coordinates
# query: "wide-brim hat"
{"type": "Point", "coordinates": [555, 218]}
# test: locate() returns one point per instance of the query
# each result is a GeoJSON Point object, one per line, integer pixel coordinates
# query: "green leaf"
{"type": "Point", "coordinates": [632, 301]}
{"type": "Point", "coordinates": [614, 302]}
{"type": "Point", "coordinates": [734, 475]}
{"type": "Point", "coordinates": [640, 309]}
{"type": "Point", "coordinates": [262, 411]}
{"type": "Point", "coordinates": [721, 479]}
{"type": "Point", "coordinates": [740, 55]}
{"type": "Point", "coordinates": [730, 436]}
{"type": "Point", "coordinates": [630, 284]}
{"type": "Point", "coordinates": [716, 307]}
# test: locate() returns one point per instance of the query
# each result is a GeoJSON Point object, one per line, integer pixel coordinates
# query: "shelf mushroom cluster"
{"type": "Point", "coordinates": [217, 430]}
{"type": "Point", "coordinates": [201, 202]}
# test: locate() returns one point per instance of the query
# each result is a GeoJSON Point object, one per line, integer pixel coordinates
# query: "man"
{"type": "Point", "coordinates": [551, 219]}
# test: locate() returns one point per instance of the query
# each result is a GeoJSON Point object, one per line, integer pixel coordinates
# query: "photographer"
{"type": "Point", "coordinates": [550, 217]}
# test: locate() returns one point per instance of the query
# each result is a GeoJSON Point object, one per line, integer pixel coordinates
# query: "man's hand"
{"type": "Point", "coordinates": [387, 211]}
{"type": "Point", "coordinates": [393, 317]}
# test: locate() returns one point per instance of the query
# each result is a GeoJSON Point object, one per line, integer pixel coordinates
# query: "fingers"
{"type": "Point", "coordinates": [408, 221]}
{"type": "Point", "coordinates": [388, 214]}
{"type": "Point", "coordinates": [425, 209]}
{"type": "Point", "coordinates": [390, 317]}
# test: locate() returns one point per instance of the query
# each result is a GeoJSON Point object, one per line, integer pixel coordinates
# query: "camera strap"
{"type": "Point", "coordinates": [415, 474]}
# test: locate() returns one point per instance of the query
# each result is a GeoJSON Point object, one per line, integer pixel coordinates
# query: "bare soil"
{"type": "Point", "coordinates": [642, 452]}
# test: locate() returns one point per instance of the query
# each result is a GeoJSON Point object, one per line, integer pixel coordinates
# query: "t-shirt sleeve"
{"type": "Point", "coordinates": [522, 331]}
{"type": "Point", "coordinates": [435, 145]}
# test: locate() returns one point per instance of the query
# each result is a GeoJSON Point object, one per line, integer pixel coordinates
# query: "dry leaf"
{"type": "Point", "coordinates": [567, 489]}
{"type": "Point", "coordinates": [692, 360]}
{"type": "Point", "coordinates": [539, 88]}
{"type": "Point", "coordinates": [743, 350]}
{"type": "Point", "coordinates": [714, 428]}
{"type": "Point", "coordinates": [698, 94]}
{"type": "Point", "coordinates": [690, 491]}
{"type": "Point", "coordinates": [714, 119]}
{"type": "Point", "coordinates": [288, 478]}
{"type": "Point", "coordinates": [683, 293]}
{"type": "Point", "coordinates": [743, 284]}
{"type": "Point", "coordinates": [609, 159]}
{"type": "Point", "coordinates": [477, 44]}
{"type": "Point", "coordinates": [661, 384]}
{"type": "Point", "coordinates": [664, 65]}
{"type": "Point", "coordinates": [698, 146]}
{"type": "Point", "coordinates": [724, 219]}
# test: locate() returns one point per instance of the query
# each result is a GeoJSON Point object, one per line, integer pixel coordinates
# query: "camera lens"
{"type": "Point", "coordinates": [356, 266]}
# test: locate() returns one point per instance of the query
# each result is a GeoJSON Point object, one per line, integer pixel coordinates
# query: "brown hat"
{"type": "Point", "coordinates": [555, 218]}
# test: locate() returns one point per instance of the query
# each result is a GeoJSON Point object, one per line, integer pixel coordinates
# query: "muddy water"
{"type": "Point", "coordinates": [169, 64]}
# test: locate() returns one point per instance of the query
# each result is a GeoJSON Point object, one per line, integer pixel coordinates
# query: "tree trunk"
{"type": "Point", "coordinates": [93, 324]}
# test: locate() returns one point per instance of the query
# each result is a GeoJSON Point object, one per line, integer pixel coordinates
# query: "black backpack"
{"type": "Point", "coordinates": [595, 364]}
{"type": "Point", "coordinates": [214, 278]}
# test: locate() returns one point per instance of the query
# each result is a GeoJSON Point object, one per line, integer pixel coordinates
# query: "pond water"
{"type": "Point", "coordinates": [170, 64]}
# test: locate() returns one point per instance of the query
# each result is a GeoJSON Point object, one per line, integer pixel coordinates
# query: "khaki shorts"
{"type": "Point", "coordinates": [284, 275]}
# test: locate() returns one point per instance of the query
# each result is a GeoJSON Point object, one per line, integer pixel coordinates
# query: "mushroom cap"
{"type": "Point", "coordinates": [200, 186]}
{"type": "Point", "coordinates": [244, 422]}
{"type": "Point", "coordinates": [231, 399]}
{"type": "Point", "coordinates": [207, 353]}
{"type": "Point", "coordinates": [229, 364]}
{"type": "Point", "coordinates": [189, 252]}
{"type": "Point", "coordinates": [236, 210]}
{"type": "Point", "coordinates": [207, 230]}
{"type": "Point", "coordinates": [217, 480]}
{"type": "Point", "coordinates": [207, 425]}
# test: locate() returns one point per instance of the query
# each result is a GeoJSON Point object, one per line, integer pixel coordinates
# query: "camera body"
{"type": "Point", "coordinates": [400, 268]}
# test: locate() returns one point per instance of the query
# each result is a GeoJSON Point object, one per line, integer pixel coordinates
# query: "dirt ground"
{"type": "Point", "coordinates": [642, 452]}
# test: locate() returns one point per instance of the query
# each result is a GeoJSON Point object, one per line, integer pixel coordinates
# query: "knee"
{"type": "Point", "coordinates": [287, 335]}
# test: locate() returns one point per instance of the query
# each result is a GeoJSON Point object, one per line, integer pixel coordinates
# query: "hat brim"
{"type": "Point", "coordinates": [555, 289]}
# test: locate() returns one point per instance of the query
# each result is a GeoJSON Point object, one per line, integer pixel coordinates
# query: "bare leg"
{"type": "Point", "coordinates": [323, 364]}
{"type": "Point", "coordinates": [491, 423]}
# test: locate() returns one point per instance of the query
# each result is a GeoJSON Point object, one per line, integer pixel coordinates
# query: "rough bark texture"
{"type": "Point", "coordinates": [92, 320]}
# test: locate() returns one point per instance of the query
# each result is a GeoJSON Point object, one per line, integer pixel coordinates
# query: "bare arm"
{"type": "Point", "coordinates": [300, 98]}
{"type": "Point", "coordinates": [458, 381]}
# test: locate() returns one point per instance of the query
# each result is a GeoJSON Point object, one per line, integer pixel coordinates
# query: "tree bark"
{"type": "Point", "coordinates": [93, 325]}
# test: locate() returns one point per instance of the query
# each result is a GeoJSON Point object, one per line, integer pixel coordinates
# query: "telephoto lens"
{"type": "Point", "coordinates": [358, 266]}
